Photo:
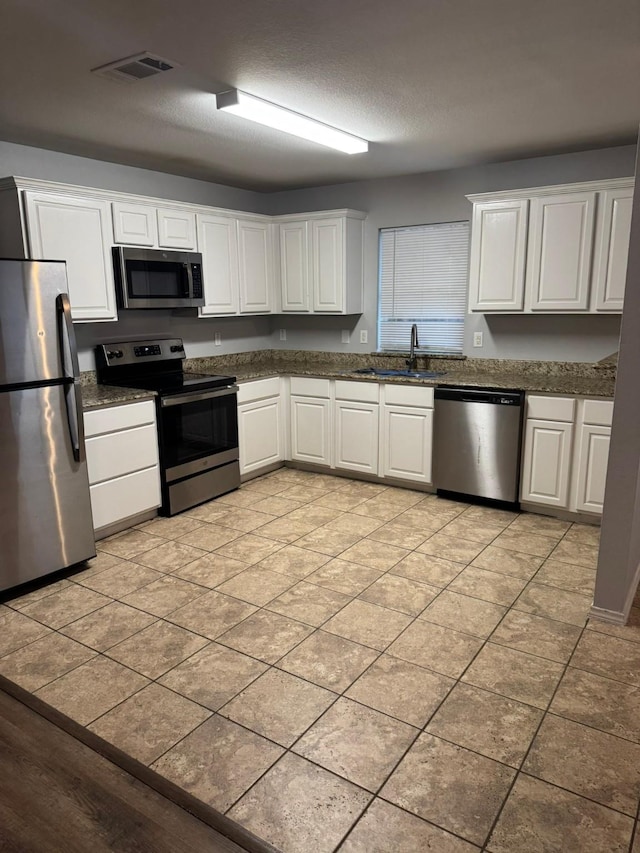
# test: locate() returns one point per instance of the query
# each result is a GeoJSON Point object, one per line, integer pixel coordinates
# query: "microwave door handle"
{"type": "Point", "coordinates": [181, 399]}
{"type": "Point", "coordinates": [189, 272]}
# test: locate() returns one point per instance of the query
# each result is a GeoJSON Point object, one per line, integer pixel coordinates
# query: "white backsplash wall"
{"type": "Point", "coordinates": [440, 197]}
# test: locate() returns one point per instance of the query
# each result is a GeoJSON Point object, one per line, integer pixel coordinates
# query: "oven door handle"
{"type": "Point", "coordinates": [181, 399]}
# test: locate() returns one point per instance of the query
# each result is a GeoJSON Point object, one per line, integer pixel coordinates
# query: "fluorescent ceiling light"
{"type": "Point", "coordinates": [263, 112]}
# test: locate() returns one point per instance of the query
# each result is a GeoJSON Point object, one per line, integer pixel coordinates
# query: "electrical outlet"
{"type": "Point", "coordinates": [364, 336]}
{"type": "Point", "coordinates": [477, 339]}
{"type": "Point", "coordinates": [346, 337]}
{"type": "Point", "coordinates": [283, 334]}
{"type": "Point", "coordinates": [217, 339]}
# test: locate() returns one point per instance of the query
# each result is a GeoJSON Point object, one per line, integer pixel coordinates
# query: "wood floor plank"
{"type": "Point", "coordinates": [58, 794]}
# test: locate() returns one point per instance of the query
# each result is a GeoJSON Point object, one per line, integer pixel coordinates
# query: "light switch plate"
{"type": "Point", "coordinates": [364, 336]}
{"type": "Point", "coordinates": [477, 339]}
{"type": "Point", "coordinates": [217, 339]}
{"type": "Point", "coordinates": [346, 337]}
{"type": "Point", "coordinates": [283, 334]}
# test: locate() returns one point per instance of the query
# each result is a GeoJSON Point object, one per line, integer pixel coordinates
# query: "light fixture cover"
{"type": "Point", "coordinates": [263, 112]}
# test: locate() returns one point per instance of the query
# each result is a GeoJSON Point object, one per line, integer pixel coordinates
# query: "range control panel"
{"type": "Point", "coordinates": [136, 352]}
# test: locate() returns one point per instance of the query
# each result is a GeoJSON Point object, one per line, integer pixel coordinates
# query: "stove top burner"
{"type": "Point", "coordinates": [152, 365]}
{"type": "Point", "coordinates": [171, 383]}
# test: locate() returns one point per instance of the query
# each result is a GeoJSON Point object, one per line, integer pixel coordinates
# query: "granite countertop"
{"type": "Point", "coordinates": [95, 396]}
{"type": "Point", "coordinates": [551, 377]}
{"type": "Point", "coordinates": [565, 383]}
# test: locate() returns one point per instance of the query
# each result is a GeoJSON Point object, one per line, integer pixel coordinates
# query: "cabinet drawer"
{"type": "Point", "coordinates": [258, 389]}
{"type": "Point", "coordinates": [598, 412]}
{"type": "Point", "coordinates": [360, 392]}
{"type": "Point", "coordinates": [305, 386]}
{"type": "Point", "coordinates": [551, 408]}
{"type": "Point", "coordinates": [115, 500]}
{"type": "Point", "coordinates": [408, 395]}
{"type": "Point", "coordinates": [118, 453]}
{"type": "Point", "coordinates": [112, 418]}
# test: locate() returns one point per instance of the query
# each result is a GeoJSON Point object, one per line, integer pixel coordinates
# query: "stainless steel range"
{"type": "Point", "coordinates": [197, 418]}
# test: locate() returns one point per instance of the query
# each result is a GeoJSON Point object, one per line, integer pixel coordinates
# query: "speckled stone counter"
{"type": "Point", "coordinates": [95, 396]}
{"type": "Point", "coordinates": [574, 378]}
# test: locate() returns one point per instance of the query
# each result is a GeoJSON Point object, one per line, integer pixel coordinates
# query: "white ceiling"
{"type": "Point", "coordinates": [432, 84]}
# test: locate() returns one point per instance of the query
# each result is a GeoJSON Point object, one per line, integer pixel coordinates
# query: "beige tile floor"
{"type": "Point", "coordinates": [343, 666]}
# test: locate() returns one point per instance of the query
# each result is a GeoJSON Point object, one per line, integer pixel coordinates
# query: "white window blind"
{"type": "Point", "coordinates": [423, 280]}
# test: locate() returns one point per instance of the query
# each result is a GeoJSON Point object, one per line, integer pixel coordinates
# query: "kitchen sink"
{"type": "Point", "coordinates": [412, 374]}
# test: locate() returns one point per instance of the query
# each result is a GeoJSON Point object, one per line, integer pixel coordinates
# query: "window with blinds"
{"type": "Point", "coordinates": [423, 280]}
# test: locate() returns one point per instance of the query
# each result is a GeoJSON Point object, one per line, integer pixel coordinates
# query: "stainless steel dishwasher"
{"type": "Point", "coordinates": [476, 442]}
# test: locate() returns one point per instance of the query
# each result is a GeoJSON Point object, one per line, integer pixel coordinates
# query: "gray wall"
{"type": "Point", "coordinates": [619, 559]}
{"type": "Point", "coordinates": [440, 197]}
{"type": "Point", "coordinates": [415, 199]}
{"type": "Point", "coordinates": [27, 162]}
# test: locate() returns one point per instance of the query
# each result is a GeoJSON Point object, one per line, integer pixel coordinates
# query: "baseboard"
{"type": "Point", "coordinates": [613, 617]}
{"type": "Point", "coordinates": [562, 514]}
{"type": "Point", "coordinates": [618, 617]}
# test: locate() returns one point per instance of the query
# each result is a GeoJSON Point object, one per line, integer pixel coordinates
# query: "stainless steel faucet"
{"type": "Point", "coordinates": [412, 361]}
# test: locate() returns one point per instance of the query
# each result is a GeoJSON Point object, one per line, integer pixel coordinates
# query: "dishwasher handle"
{"type": "Point", "coordinates": [480, 395]}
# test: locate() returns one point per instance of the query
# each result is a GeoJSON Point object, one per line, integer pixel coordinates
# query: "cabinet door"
{"type": "Point", "coordinates": [78, 231]}
{"type": "Point", "coordinates": [294, 265]}
{"type": "Point", "coordinates": [407, 435]}
{"type": "Point", "coordinates": [256, 265]}
{"type": "Point", "coordinates": [134, 224]}
{"type": "Point", "coordinates": [310, 440]}
{"type": "Point", "coordinates": [217, 240]}
{"type": "Point", "coordinates": [176, 229]}
{"type": "Point", "coordinates": [327, 251]}
{"type": "Point", "coordinates": [498, 255]}
{"type": "Point", "coordinates": [560, 248]}
{"type": "Point", "coordinates": [546, 464]}
{"type": "Point", "coordinates": [356, 436]}
{"type": "Point", "coordinates": [593, 455]}
{"type": "Point", "coordinates": [612, 249]}
{"type": "Point", "coordinates": [260, 434]}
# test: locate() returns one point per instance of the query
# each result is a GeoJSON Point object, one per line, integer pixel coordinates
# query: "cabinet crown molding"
{"type": "Point", "coordinates": [20, 183]}
{"type": "Point", "coordinates": [555, 189]}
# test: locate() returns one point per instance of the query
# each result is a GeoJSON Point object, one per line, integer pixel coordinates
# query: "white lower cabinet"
{"type": "Point", "coordinates": [310, 420]}
{"type": "Point", "coordinates": [546, 463]}
{"type": "Point", "coordinates": [260, 424]}
{"type": "Point", "coordinates": [407, 433]}
{"type": "Point", "coordinates": [122, 461]}
{"type": "Point", "coordinates": [356, 426]}
{"type": "Point", "coordinates": [566, 450]}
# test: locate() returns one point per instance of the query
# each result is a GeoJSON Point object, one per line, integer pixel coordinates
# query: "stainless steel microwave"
{"type": "Point", "coordinates": [155, 278]}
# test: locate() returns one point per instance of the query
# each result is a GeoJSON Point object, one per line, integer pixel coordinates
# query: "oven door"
{"type": "Point", "coordinates": [198, 431]}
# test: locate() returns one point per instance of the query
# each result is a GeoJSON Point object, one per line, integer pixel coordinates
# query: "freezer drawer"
{"type": "Point", "coordinates": [45, 511]}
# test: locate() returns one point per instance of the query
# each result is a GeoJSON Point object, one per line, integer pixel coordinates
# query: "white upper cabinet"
{"type": "Point", "coordinates": [567, 256]}
{"type": "Point", "coordinates": [218, 243]}
{"type": "Point", "coordinates": [612, 248]}
{"type": "Point", "coordinates": [321, 262]}
{"type": "Point", "coordinates": [327, 239]}
{"type": "Point", "coordinates": [498, 255]}
{"type": "Point", "coordinates": [78, 231]}
{"type": "Point", "coordinates": [294, 265]}
{"type": "Point", "coordinates": [560, 248]}
{"type": "Point", "coordinates": [255, 258]}
{"type": "Point", "coordinates": [176, 229]}
{"type": "Point", "coordinates": [134, 224]}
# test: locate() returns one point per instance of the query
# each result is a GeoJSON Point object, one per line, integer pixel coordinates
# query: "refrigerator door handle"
{"type": "Point", "coordinates": [73, 393]}
{"type": "Point", "coordinates": [67, 336]}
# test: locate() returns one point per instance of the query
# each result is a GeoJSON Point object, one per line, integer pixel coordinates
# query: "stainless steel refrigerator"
{"type": "Point", "coordinates": [45, 509]}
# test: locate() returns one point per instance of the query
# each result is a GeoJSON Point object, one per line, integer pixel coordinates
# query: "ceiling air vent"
{"type": "Point", "coordinates": [134, 68]}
